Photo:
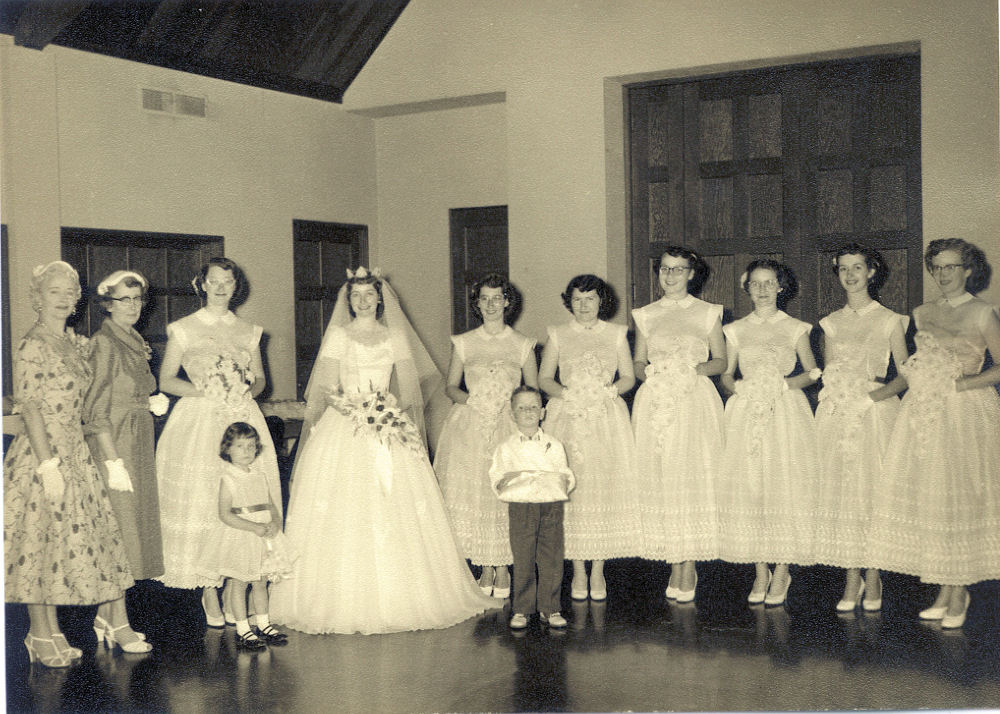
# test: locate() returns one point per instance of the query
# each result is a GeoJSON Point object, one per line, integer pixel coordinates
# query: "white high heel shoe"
{"type": "Point", "coordinates": [105, 632]}
{"type": "Point", "coordinates": [757, 597]}
{"type": "Point", "coordinates": [846, 605]}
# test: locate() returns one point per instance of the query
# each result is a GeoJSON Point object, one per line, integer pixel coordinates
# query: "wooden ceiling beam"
{"type": "Point", "coordinates": [41, 22]}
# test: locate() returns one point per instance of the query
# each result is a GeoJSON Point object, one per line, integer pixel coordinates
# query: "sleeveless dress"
{"type": "Point", "coordinates": [937, 508]}
{"type": "Point", "coordinates": [117, 403]}
{"type": "Point", "coordinates": [601, 518]}
{"type": "Point", "coordinates": [677, 416]}
{"type": "Point", "coordinates": [69, 552]}
{"type": "Point", "coordinates": [216, 358]}
{"type": "Point", "coordinates": [238, 553]}
{"type": "Point", "coordinates": [769, 472]}
{"type": "Point", "coordinates": [852, 434]}
{"type": "Point", "coordinates": [471, 434]}
{"type": "Point", "coordinates": [376, 552]}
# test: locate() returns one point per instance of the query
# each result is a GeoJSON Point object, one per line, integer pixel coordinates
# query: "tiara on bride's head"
{"type": "Point", "coordinates": [362, 272]}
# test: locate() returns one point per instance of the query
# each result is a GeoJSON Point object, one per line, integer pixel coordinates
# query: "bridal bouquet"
{"type": "Point", "coordinates": [378, 415]}
{"type": "Point", "coordinates": [228, 381]}
{"type": "Point", "coordinates": [761, 391]}
{"type": "Point", "coordinates": [669, 382]}
{"type": "Point", "coordinates": [930, 374]}
{"type": "Point", "coordinates": [587, 388]}
{"type": "Point", "coordinates": [845, 389]}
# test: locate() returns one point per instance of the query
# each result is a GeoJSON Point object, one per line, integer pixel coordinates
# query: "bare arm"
{"type": "Point", "coordinates": [729, 376]}
{"type": "Point", "coordinates": [626, 375]}
{"type": "Point", "coordinates": [257, 368]}
{"type": "Point", "coordinates": [547, 372]}
{"type": "Point", "coordinates": [529, 370]}
{"type": "Point", "coordinates": [991, 376]}
{"type": "Point", "coordinates": [897, 345]}
{"type": "Point", "coordinates": [717, 345]}
{"type": "Point", "coordinates": [232, 520]}
{"type": "Point", "coordinates": [640, 360]}
{"type": "Point", "coordinates": [808, 360]}
{"type": "Point", "coordinates": [169, 369]}
{"type": "Point", "coordinates": [456, 368]}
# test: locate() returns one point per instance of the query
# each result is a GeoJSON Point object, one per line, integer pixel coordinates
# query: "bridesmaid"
{"type": "Point", "coordinates": [119, 425]}
{"type": "Point", "coordinates": [856, 412]}
{"type": "Point", "coordinates": [767, 484]}
{"type": "Point", "coordinates": [586, 413]}
{"type": "Point", "coordinates": [494, 358]}
{"type": "Point", "coordinates": [937, 510]}
{"type": "Point", "coordinates": [677, 418]}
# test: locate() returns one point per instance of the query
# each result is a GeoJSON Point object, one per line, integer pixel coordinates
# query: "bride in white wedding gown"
{"type": "Point", "coordinates": [366, 516]}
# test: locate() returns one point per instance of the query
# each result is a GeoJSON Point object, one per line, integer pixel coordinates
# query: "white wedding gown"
{"type": "Point", "coordinates": [376, 551]}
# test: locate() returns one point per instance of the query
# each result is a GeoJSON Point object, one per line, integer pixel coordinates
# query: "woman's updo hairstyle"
{"type": "Point", "coordinates": [363, 277]}
{"type": "Point", "coordinates": [241, 290]}
{"type": "Point", "coordinates": [972, 259]}
{"type": "Point", "coordinates": [874, 261]}
{"type": "Point", "coordinates": [591, 283]}
{"type": "Point", "coordinates": [786, 279]}
{"type": "Point", "coordinates": [41, 276]}
{"type": "Point", "coordinates": [496, 280]}
{"type": "Point", "coordinates": [695, 262]}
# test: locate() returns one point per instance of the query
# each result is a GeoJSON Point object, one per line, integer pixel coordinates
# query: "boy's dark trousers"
{"type": "Point", "coordinates": [536, 538]}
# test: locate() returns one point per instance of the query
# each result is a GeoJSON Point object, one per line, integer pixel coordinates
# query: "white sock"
{"type": "Point", "coordinates": [263, 622]}
{"type": "Point", "coordinates": [242, 627]}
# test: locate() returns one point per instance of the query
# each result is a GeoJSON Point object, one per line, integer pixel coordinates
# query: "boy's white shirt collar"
{"type": "Point", "coordinates": [537, 436]}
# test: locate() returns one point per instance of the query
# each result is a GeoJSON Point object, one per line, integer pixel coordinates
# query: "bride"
{"type": "Point", "coordinates": [366, 516]}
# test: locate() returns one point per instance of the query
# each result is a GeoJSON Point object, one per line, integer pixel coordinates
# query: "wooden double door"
{"type": "Point", "coordinates": [789, 163]}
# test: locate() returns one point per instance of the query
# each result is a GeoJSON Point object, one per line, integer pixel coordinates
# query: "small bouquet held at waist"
{"type": "Point", "coordinates": [378, 415]}
{"type": "Point", "coordinates": [227, 381]}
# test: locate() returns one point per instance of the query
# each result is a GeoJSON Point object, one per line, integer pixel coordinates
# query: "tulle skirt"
{"type": "Point", "coordinates": [767, 484]}
{"type": "Point", "coordinates": [462, 464]}
{"type": "Point", "coordinates": [376, 552]}
{"type": "Point", "coordinates": [245, 556]}
{"type": "Point", "coordinates": [678, 454]}
{"type": "Point", "coordinates": [601, 518]}
{"type": "Point", "coordinates": [937, 508]}
{"type": "Point", "coordinates": [850, 452]}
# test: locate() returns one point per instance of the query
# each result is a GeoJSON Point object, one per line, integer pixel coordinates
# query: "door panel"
{"type": "Point", "coordinates": [478, 246]}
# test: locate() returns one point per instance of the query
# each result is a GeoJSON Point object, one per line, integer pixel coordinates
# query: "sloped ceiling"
{"type": "Point", "coordinates": [312, 48]}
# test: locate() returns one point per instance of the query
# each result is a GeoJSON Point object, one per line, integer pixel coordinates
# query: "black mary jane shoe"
{"type": "Point", "coordinates": [250, 641]}
{"type": "Point", "coordinates": [271, 636]}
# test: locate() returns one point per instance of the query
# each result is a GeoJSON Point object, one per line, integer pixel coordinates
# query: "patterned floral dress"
{"type": "Point", "coordinates": [69, 552]}
{"type": "Point", "coordinates": [592, 422]}
{"type": "Point", "coordinates": [852, 433]}
{"type": "Point", "coordinates": [768, 478]}
{"type": "Point", "coordinates": [216, 358]}
{"type": "Point", "coordinates": [936, 510]}
{"type": "Point", "coordinates": [117, 403]}
{"type": "Point", "coordinates": [471, 434]}
{"type": "Point", "coordinates": [677, 416]}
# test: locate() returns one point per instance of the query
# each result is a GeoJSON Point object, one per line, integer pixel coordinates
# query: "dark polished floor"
{"type": "Point", "coordinates": [635, 652]}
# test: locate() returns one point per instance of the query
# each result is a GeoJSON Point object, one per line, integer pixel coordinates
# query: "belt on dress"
{"type": "Point", "coordinates": [246, 510]}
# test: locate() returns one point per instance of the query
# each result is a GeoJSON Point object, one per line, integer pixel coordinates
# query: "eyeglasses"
{"type": "Point", "coordinates": [228, 283]}
{"type": "Point", "coordinates": [133, 301]}
{"type": "Point", "coordinates": [495, 300]}
{"type": "Point", "coordinates": [763, 284]}
{"type": "Point", "coordinates": [676, 270]}
{"type": "Point", "coordinates": [946, 269]}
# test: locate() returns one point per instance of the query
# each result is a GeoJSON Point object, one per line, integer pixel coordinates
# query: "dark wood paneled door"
{"type": "Point", "coordinates": [788, 162]}
{"type": "Point", "coordinates": [323, 252]}
{"type": "Point", "coordinates": [478, 246]}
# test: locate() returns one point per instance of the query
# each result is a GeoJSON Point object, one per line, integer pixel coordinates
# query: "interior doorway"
{"type": "Point", "coordinates": [478, 246]}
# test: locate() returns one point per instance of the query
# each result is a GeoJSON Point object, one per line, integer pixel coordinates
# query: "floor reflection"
{"type": "Point", "coordinates": [636, 651]}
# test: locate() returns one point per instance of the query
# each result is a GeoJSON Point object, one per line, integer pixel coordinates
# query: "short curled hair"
{"type": "Point", "coordinates": [368, 279]}
{"type": "Point", "coordinates": [786, 279]}
{"type": "Point", "coordinates": [972, 259]}
{"type": "Point", "coordinates": [129, 282]}
{"type": "Point", "coordinates": [496, 280]}
{"type": "Point", "coordinates": [43, 274]}
{"type": "Point", "coordinates": [695, 262]}
{"type": "Point", "coordinates": [591, 283]}
{"type": "Point", "coordinates": [874, 261]}
{"type": "Point", "coordinates": [238, 430]}
{"type": "Point", "coordinates": [240, 292]}
{"type": "Point", "coordinates": [525, 389]}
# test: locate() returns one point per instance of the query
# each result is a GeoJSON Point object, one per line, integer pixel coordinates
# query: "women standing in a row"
{"type": "Point", "coordinates": [937, 507]}
{"type": "Point", "coordinates": [220, 354]}
{"type": "Point", "coordinates": [120, 427]}
{"type": "Point", "coordinates": [677, 417]}
{"type": "Point", "coordinates": [768, 477]}
{"type": "Point", "coordinates": [854, 419]}
{"type": "Point", "coordinates": [493, 359]}
{"type": "Point", "coordinates": [62, 544]}
{"type": "Point", "coordinates": [586, 413]}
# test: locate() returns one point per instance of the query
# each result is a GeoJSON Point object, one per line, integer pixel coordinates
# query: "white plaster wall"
{"type": "Point", "coordinates": [79, 151]}
{"type": "Point", "coordinates": [559, 60]}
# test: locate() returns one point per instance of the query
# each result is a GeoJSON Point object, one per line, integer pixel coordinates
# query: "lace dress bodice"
{"type": "Point", "coordinates": [491, 359]}
{"type": "Point", "coordinates": [206, 339]}
{"type": "Point", "coordinates": [587, 355]}
{"type": "Point", "coordinates": [366, 367]}
{"type": "Point", "coordinates": [677, 332]}
{"type": "Point", "coordinates": [766, 346]}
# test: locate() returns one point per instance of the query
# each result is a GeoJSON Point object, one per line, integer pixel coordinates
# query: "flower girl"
{"type": "Point", "coordinates": [767, 483]}
{"type": "Point", "coordinates": [252, 550]}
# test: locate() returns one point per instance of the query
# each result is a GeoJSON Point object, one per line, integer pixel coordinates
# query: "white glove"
{"type": "Point", "coordinates": [118, 479]}
{"type": "Point", "coordinates": [159, 403]}
{"type": "Point", "coordinates": [52, 479]}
